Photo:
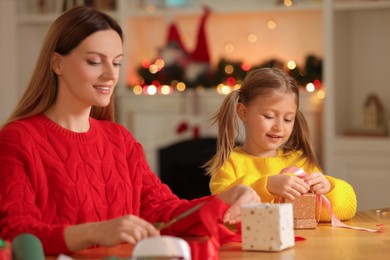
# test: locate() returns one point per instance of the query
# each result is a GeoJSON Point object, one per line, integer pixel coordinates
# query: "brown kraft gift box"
{"type": "Point", "coordinates": [304, 211]}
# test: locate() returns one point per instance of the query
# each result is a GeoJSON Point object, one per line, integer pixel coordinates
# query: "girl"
{"type": "Point", "coordinates": [276, 137]}
{"type": "Point", "coordinates": [69, 174]}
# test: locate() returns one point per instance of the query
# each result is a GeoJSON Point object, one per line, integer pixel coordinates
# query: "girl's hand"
{"type": "Point", "coordinates": [287, 186]}
{"type": "Point", "coordinates": [236, 197]}
{"type": "Point", "coordinates": [318, 183]}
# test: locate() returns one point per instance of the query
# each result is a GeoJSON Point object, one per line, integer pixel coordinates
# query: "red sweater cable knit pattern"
{"type": "Point", "coordinates": [51, 177]}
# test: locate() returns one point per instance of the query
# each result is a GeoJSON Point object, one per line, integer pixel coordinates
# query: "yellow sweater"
{"type": "Point", "coordinates": [242, 168]}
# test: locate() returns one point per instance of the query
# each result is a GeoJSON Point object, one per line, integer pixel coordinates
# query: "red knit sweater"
{"type": "Point", "coordinates": [51, 177]}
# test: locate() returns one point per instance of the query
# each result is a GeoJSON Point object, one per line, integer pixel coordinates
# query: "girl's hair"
{"type": "Point", "coordinates": [65, 34]}
{"type": "Point", "coordinates": [259, 82]}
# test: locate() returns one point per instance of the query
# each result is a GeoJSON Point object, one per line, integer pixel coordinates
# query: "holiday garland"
{"type": "Point", "coordinates": [168, 75]}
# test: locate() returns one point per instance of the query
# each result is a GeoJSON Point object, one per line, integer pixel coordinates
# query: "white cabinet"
{"type": "Point", "coordinates": [357, 53]}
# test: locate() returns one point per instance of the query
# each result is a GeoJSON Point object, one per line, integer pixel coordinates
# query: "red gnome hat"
{"type": "Point", "coordinates": [201, 51]}
{"type": "Point", "coordinates": [174, 38]}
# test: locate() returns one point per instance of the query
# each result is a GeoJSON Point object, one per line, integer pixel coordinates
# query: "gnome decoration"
{"type": "Point", "coordinates": [192, 68]}
{"type": "Point", "coordinates": [174, 56]}
{"type": "Point", "coordinates": [198, 68]}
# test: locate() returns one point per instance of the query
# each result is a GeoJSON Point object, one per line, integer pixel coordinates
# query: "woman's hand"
{"type": "Point", "coordinates": [287, 186]}
{"type": "Point", "coordinates": [318, 183]}
{"type": "Point", "coordinates": [130, 229]}
{"type": "Point", "coordinates": [236, 197]}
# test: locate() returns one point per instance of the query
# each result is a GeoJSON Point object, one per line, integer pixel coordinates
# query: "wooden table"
{"type": "Point", "coordinates": [324, 242]}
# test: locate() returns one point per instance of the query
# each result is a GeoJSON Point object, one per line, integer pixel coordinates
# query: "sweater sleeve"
{"type": "Point", "coordinates": [19, 185]}
{"type": "Point", "coordinates": [342, 198]}
{"type": "Point", "coordinates": [227, 177]}
{"type": "Point", "coordinates": [223, 179]}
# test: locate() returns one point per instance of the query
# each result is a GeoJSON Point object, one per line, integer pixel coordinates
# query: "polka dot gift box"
{"type": "Point", "coordinates": [267, 227]}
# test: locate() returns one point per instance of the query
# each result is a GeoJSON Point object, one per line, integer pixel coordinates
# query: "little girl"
{"type": "Point", "coordinates": [276, 137]}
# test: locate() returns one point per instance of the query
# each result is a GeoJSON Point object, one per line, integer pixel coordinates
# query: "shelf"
{"type": "Point", "coordinates": [365, 144]}
{"type": "Point", "coordinates": [48, 18]}
{"type": "Point", "coordinates": [30, 19]}
{"type": "Point", "coordinates": [361, 5]}
{"type": "Point", "coordinates": [366, 133]}
{"type": "Point", "coordinates": [226, 8]}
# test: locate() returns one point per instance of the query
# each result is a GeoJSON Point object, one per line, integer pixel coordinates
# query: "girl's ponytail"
{"type": "Point", "coordinates": [226, 118]}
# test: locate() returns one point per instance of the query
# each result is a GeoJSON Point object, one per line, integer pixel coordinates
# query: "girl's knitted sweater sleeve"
{"type": "Point", "coordinates": [342, 198]}
{"type": "Point", "coordinates": [228, 176]}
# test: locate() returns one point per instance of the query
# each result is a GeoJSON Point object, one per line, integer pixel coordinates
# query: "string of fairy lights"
{"type": "Point", "coordinates": [225, 88]}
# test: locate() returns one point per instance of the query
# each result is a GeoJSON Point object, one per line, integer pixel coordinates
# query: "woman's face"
{"type": "Point", "coordinates": [269, 121]}
{"type": "Point", "coordinates": [88, 75]}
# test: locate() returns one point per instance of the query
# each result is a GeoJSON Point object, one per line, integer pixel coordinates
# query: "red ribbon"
{"type": "Point", "coordinates": [216, 233]}
{"type": "Point", "coordinates": [299, 172]}
{"type": "Point", "coordinates": [207, 248]}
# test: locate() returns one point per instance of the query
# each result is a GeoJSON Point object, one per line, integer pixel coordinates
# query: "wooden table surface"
{"type": "Point", "coordinates": [324, 242]}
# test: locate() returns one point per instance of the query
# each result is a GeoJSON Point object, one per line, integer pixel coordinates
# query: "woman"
{"type": "Point", "coordinates": [69, 174]}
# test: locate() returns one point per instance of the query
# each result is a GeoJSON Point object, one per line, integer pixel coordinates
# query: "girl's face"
{"type": "Point", "coordinates": [269, 121]}
{"type": "Point", "coordinates": [88, 74]}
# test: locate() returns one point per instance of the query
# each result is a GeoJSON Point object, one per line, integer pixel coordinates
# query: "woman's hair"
{"type": "Point", "coordinates": [259, 82]}
{"type": "Point", "coordinates": [65, 34]}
